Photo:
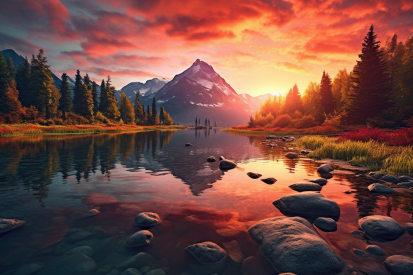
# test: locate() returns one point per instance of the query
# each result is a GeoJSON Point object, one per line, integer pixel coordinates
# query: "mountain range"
{"type": "Point", "coordinates": [198, 92]}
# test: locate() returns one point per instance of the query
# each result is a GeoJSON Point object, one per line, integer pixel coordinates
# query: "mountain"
{"type": "Point", "coordinates": [146, 89]}
{"type": "Point", "coordinates": [255, 102]}
{"type": "Point", "coordinates": [201, 92]}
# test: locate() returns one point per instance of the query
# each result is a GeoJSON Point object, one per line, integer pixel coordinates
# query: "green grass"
{"type": "Point", "coordinates": [395, 160]}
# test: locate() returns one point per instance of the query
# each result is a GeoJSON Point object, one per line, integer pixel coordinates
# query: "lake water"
{"type": "Point", "coordinates": [50, 181]}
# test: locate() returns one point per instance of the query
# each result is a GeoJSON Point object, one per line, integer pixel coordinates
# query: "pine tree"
{"type": "Point", "coordinates": [11, 69]}
{"type": "Point", "coordinates": [144, 116]}
{"type": "Point", "coordinates": [23, 84]}
{"type": "Point", "coordinates": [112, 111]}
{"type": "Point", "coordinates": [95, 97]}
{"type": "Point", "coordinates": [370, 93]}
{"type": "Point", "coordinates": [12, 98]}
{"type": "Point", "coordinates": [46, 96]}
{"type": "Point", "coordinates": [78, 90]}
{"type": "Point", "coordinates": [167, 120]}
{"type": "Point", "coordinates": [127, 113]}
{"type": "Point", "coordinates": [139, 109]}
{"type": "Point", "coordinates": [293, 101]}
{"type": "Point", "coordinates": [327, 99]}
{"type": "Point", "coordinates": [87, 102]}
{"type": "Point", "coordinates": [155, 117]}
{"type": "Point", "coordinates": [162, 116]}
{"type": "Point", "coordinates": [206, 122]}
{"type": "Point", "coordinates": [196, 122]}
{"type": "Point", "coordinates": [4, 84]}
{"type": "Point", "coordinates": [148, 116]}
{"type": "Point", "coordinates": [66, 104]}
{"type": "Point", "coordinates": [87, 82]}
{"type": "Point", "coordinates": [103, 100]}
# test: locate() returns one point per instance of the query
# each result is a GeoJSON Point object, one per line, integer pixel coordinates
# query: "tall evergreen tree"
{"type": "Point", "coordinates": [127, 112]}
{"type": "Point", "coordinates": [78, 91]}
{"type": "Point", "coordinates": [196, 121]}
{"type": "Point", "coordinates": [46, 96]}
{"type": "Point", "coordinates": [327, 99]}
{"type": "Point", "coordinates": [87, 82]}
{"type": "Point", "coordinates": [23, 83]}
{"type": "Point", "coordinates": [370, 93]}
{"type": "Point", "coordinates": [139, 110]}
{"type": "Point", "coordinates": [155, 117]}
{"type": "Point", "coordinates": [162, 116]}
{"type": "Point", "coordinates": [66, 104]}
{"type": "Point", "coordinates": [144, 116]}
{"type": "Point", "coordinates": [167, 119]}
{"type": "Point", "coordinates": [11, 69]}
{"type": "Point", "coordinates": [83, 98]}
{"type": "Point", "coordinates": [293, 101]}
{"type": "Point", "coordinates": [103, 100]}
{"type": "Point", "coordinates": [95, 97]}
{"type": "Point", "coordinates": [206, 122]}
{"type": "Point", "coordinates": [148, 116]}
{"type": "Point", "coordinates": [112, 110]}
{"type": "Point", "coordinates": [4, 84]}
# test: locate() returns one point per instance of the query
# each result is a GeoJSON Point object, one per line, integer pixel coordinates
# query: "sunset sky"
{"type": "Point", "coordinates": [258, 46]}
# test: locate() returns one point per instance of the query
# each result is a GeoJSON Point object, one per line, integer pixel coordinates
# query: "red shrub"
{"type": "Point", "coordinates": [402, 137]}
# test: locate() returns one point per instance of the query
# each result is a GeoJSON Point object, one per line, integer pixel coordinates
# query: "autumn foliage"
{"type": "Point", "coordinates": [402, 137]}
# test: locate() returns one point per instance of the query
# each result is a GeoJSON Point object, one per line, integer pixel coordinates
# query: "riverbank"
{"type": "Point", "coordinates": [34, 129]}
{"type": "Point", "coordinates": [318, 130]}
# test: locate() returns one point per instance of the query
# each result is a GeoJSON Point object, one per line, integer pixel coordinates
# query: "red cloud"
{"type": "Point", "coordinates": [123, 72]}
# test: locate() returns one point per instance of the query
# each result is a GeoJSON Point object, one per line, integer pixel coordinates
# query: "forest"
{"type": "Point", "coordinates": [378, 92]}
{"type": "Point", "coordinates": [28, 95]}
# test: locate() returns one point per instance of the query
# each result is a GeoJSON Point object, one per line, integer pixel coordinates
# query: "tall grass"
{"type": "Point", "coordinates": [317, 130]}
{"type": "Point", "coordinates": [396, 160]}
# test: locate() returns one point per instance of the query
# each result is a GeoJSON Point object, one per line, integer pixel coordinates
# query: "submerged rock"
{"type": "Point", "coordinates": [320, 181]}
{"type": "Point", "coordinates": [91, 213]}
{"type": "Point", "coordinates": [10, 224]}
{"type": "Point", "coordinates": [390, 178]}
{"type": "Point", "coordinates": [211, 159]}
{"type": "Point", "coordinates": [251, 266]}
{"type": "Point", "coordinates": [326, 175]}
{"type": "Point", "coordinates": [188, 144]}
{"type": "Point", "coordinates": [209, 257]}
{"type": "Point", "coordinates": [147, 219]}
{"type": "Point", "coordinates": [78, 264]}
{"type": "Point", "coordinates": [326, 224]}
{"type": "Point", "coordinates": [380, 188]}
{"type": "Point", "coordinates": [28, 269]}
{"type": "Point", "coordinates": [227, 164]}
{"type": "Point", "coordinates": [142, 237]}
{"type": "Point", "coordinates": [254, 175]}
{"type": "Point", "coordinates": [376, 251]}
{"type": "Point", "coordinates": [131, 271]}
{"type": "Point", "coordinates": [85, 249]}
{"type": "Point", "coordinates": [373, 268]}
{"type": "Point", "coordinates": [409, 228]}
{"type": "Point", "coordinates": [138, 261]}
{"type": "Point", "coordinates": [360, 253]}
{"type": "Point", "coordinates": [308, 205]}
{"type": "Point", "coordinates": [325, 168]}
{"type": "Point", "coordinates": [234, 252]}
{"type": "Point", "coordinates": [292, 244]}
{"type": "Point", "coordinates": [269, 180]}
{"type": "Point", "coordinates": [79, 236]}
{"type": "Point", "coordinates": [305, 186]}
{"type": "Point", "coordinates": [381, 228]}
{"type": "Point", "coordinates": [292, 155]}
{"type": "Point", "coordinates": [399, 265]}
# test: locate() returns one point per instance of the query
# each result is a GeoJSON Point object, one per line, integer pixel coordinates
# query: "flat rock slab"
{"type": "Point", "coordinates": [381, 228]}
{"type": "Point", "coordinates": [269, 180]}
{"type": "Point", "coordinates": [399, 265]}
{"type": "Point", "coordinates": [305, 186]}
{"type": "Point", "coordinates": [147, 219]}
{"type": "Point", "coordinates": [227, 164]}
{"type": "Point", "coordinates": [292, 244]}
{"type": "Point", "coordinates": [308, 205]}
{"type": "Point", "coordinates": [140, 238]}
{"type": "Point", "coordinates": [254, 175]}
{"type": "Point", "coordinates": [381, 188]}
{"type": "Point", "coordinates": [10, 224]}
{"type": "Point", "coordinates": [326, 224]}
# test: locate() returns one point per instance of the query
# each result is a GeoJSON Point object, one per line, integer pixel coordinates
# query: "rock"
{"type": "Point", "coordinates": [376, 251]}
{"type": "Point", "coordinates": [381, 228]}
{"type": "Point", "coordinates": [347, 192]}
{"type": "Point", "coordinates": [326, 224]}
{"type": "Point", "coordinates": [251, 266]}
{"type": "Point", "coordinates": [142, 237]}
{"type": "Point", "coordinates": [326, 175]}
{"type": "Point", "coordinates": [234, 252]}
{"type": "Point", "coordinates": [131, 271]}
{"type": "Point", "coordinates": [373, 268]}
{"type": "Point", "coordinates": [227, 164]}
{"type": "Point", "coordinates": [138, 261]}
{"type": "Point", "coordinates": [156, 272]}
{"type": "Point", "coordinates": [91, 213]}
{"type": "Point", "coordinates": [292, 155]}
{"type": "Point", "coordinates": [305, 152]}
{"type": "Point", "coordinates": [104, 269]}
{"type": "Point", "coordinates": [78, 264]}
{"type": "Point", "coordinates": [380, 188]}
{"type": "Point", "coordinates": [292, 244]}
{"type": "Point", "coordinates": [28, 269]}
{"type": "Point", "coordinates": [390, 178]}
{"type": "Point", "coordinates": [405, 184]}
{"type": "Point", "coordinates": [113, 272]}
{"type": "Point", "coordinates": [405, 178]}
{"type": "Point", "coordinates": [305, 186]}
{"type": "Point", "coordinates": [269, 180]}
{"type": "Point", "coordinates": [87, 250]}
{"type": "Point", "coordinates": [145, 269]}
{"type": "Point", "coordinates": [79, 236]}
{"type": "Point", "coordinates": [358, 234]}
{"type": "Point", "coordinates": [209, 257]}
{"type": "Point", "coordinates": [399, 265]}
{"type": "Point", "coordinates": [188, 144]}
{"type": "Point", "coordinates": [377, 176]}
{"type": "Point", "coordinates": [325, 168]}
{"type": "Point", "coordinates": [211, 159]}
{"type": "Point", "coordinates": [9, 224]}
{"type": "Point", "coordinates": [147, 219]}
{"type": "Point", "coordinates": [271, 137]}
{"type": "Point", "coordinates": [320, 181]}
{"type": "Point", "coordinates": [308, 205]}
{"type": "Point", "coordinates": [360, 253]}
{"type": "Point", "coordinates": [254, 175]}
{"type": "Point", "coordinates": [409, 228]}
{"type": "Point", "coordinates": [221, 158]}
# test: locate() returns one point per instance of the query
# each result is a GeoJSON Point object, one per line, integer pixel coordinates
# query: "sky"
{"type": "Point", "coordinates": [257, 46]}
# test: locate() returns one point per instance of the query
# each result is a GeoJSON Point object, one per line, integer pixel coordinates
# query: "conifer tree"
{"type": "Point", "coordinates": [4, 84]}
{"type": "Point", "coordinates": [167, 120]}
{"type": "Point", "coordinates": [46, 96]}
{"type": "Point", "coordinates": [148, 116]}
{"type": "Point", "coordinates": [293, 101]}
{"type": "Point", "coordinates": [12, 102]}
{"type": "Point", "coordinates": [112, 110]}
{"type": "Point", "coordinates": [77, 91]}
{"type": "Point", "coordinates": [155, 117]}
{"type": "Point", "coordinates": [144, 116]}
{"type": "Point", "coordinates": [139, 110]}
{"type": "Point", "coordinates": [87, 82]}
{"type": "Point", "coordinates": [370, 94]}
{"type": "Point", "coordinates": [103, 100]}
{"type": "Point", "coordinates": [196, 122]}
{"type": "Point", "coordinates": [327, 99]}
{"type": "Point", "coordinates": [95, 97]}
{"type": "Point", "coordinates": [127, 113]}
{"type": "Point", "coordinates": [162, 116]}
{"type": "Point", "coordinates": [66, 104]}
{"type": "Point", "coordinates": [206, 122]}
{"type": "Point", "coordinates": [23, 83]}
{"type": "Point", "coordinates": [83, 98]}
{"type": "Point", "coordinates": [11, 69]}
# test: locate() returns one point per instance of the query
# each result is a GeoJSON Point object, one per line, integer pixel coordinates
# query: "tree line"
{"type": "Point", "coordinates": [207, 123]}
{"type": "Point", "coordinates": [377, 92]}
{"type": "Point", "coordinates": [29, 95]}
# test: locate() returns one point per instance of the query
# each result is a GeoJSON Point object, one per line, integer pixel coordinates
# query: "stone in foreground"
{"type": "Point", "coordinates": [308, 205]}
{"type": "Point", "coordinates": [138, 261]}
{"type": "Point", "coordinates": [405, 178]}
{"type": "Point", "coordinates": [407, 184]}
{"type": "Point", "coordinates": [325, 168]}
{"type": "Point", "coordinates": [292, 155]}
{"type": "Point", "coordinates": [390, 178]}
{"type": "Point", "coordinates": [254, 175]}
{"type": "Point", "coordinates": [188, 144]}
{"type": "Point", "coordinates": [326, 224]}
{"type": "Point", "coordinates": [211, 159]}
{"type": "Point", "coordinates": [320, 181]}
{"type": "Point", "coordinates": [78, 264]}
{"type": "Point", "coordinates": [227, 164]}
{"type": "Point", "coordinates": [380, 188]}
{"type": "Point", "coordinates": [209, 257]}
{"type": "Point", "coordinates": [269, 180]}
{"type": "Point", "coordinates": [381, 228]}
{"type": "Point", "coordinates": [9, 224]}
{"type": "Point", "coordinates": [140, 238]}
{"type": "Point", "coordinates": [292, 244]}
{"type": "Point", "coordinates": [399, 265]}
{"type": "Point", "coordinates": [305, 186]}
{"type": "Point", "coordinates": [147, 219]}
{"type": "Point", "coordinates": [409, 228]}
{"type": "Point", "coordinates": [376, 251]}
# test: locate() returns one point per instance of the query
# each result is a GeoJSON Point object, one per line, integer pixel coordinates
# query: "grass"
{"type": "Point", "coordinates": [34, 129]}
{"type": "Point", "coordinates": [318, 130]}
{"type": "Point", "coordinates": [376, 156]}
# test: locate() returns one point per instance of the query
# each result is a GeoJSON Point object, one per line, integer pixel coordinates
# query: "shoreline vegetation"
{"type": "Point", "coordinates": [278, 131]}
{"type": "Point", "coordinates": [35, 129]}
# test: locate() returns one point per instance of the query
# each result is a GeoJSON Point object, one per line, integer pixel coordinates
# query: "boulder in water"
{"type": "Point", "coordinates": [320, 181]}
{"type": "Point", "coordinates": [208, 257]}
{"type": "Point", "coordinates": [78, 264]}
{"type": "Point", "coordinates": [380, 188]}
{"type": "Point", "coordinates": [381, 228]}
{"type": "Point", "coordinates": [409, 228]}
{"type": "Point", "coordinates": [227, 164]}
{"type": "Point", "coordinates": [399, 265]}
{"type": "Point", "coordinates": [254, 175]}
{"type": "Point", "coordinates": [188, 144]}
{"type": "Point", "coordinates": [326, 224]}
{"type": "Point", "coordinates": [147, 219]}
{"type": "Point", "coordinates": [140, 238]}
{"type": "Point", "coordinates": [376, 251]}
{"type": "Point", "coordinates": [305, 186]}
{"type": "Point", "coordinates": [405, 178]}
{"type": "Point", "coordinates": [9, 224]}
{"type": "Point", "coordinates": [292, 155]}
{"type": "Point", "coordinates": [390, 178]}
{"type": "Point", "coordinates": [325, 168]}
{"type": "Point", "coordinates": [405, 184]}
{"type": "Point", "coordinates": [211, 159]}
{"type": "Point", "coordinates": [269, 180]}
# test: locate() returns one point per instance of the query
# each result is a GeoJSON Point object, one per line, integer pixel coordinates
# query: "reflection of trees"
{"type": "Point", "coordinates": [366, 201]}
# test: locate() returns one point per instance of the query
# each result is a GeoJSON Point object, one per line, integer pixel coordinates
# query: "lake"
{"type": "Point", "coordinates": [51, 181]}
